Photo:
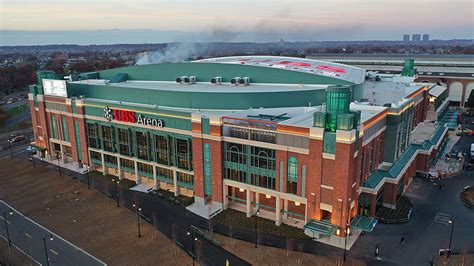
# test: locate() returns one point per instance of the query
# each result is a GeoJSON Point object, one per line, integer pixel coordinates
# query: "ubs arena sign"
{"type": "Point", "coordinates": [131, 117]}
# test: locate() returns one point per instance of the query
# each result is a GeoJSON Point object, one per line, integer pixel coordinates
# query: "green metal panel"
{"type": "Point", "coordinates": [205, 71]}
{"type": "Point", "coordinates": [329, 142]}
{"type": "Point", "coordinates": [78, 140]}
{"type": "Point", "coordinates": [199, 99]}
{"type": "Point", "coordinates": [65, 130]}
{"type": "Point", "coordinates": [170, 119]}
{"type": "Point", "coordinates": [207, 170]}
{"type": "Point", "coordinates": [292, 169]}
{"type": "Point", "coordinates": [319, 119]}
{"type": "Point", "coordinates": [206, 126]}
{"type": "Point", "coordinates": [53, 123]}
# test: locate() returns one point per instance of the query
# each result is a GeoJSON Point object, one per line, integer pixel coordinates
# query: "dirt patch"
{"type": "Point", "coordinates": [87, 218]}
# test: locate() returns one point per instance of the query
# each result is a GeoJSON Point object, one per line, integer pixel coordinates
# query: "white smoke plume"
{"type": "Point", "coordinates": [173, 53]}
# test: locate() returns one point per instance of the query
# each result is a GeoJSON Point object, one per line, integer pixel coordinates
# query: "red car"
{"type": "Point", "coordinates": [17, 139]}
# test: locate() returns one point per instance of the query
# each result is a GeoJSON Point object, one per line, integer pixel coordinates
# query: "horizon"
{"type": "Point", "coordinates": [24, 22]}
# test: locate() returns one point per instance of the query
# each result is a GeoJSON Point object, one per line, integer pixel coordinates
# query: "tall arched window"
{"type": "Point", "coordinates": [292, 177]}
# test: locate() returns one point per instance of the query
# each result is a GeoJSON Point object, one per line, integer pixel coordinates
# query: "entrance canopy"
{"type": "Point", "coordinates": [364, 223]}
{"type": "Point", "coordinates": [322, 227]}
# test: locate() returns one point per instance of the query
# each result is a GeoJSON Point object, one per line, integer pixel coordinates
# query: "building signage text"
{"type": "Point", "coordinates": [131, 117]}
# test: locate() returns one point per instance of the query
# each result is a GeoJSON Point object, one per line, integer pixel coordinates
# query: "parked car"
{"type": "Point", "coordinates": [31, 149]}
{"type": "Point", "coordinates": [17, 139]}
{"type": "Point", "coordinates": [11, 100]}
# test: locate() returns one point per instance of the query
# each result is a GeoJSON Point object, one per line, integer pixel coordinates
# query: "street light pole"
{"type": "Point", "coordinates": [347, 232]}
{"type": "Point", "coordinates": [451, 221]}
{"type": "Point", "coordinates": [6, 226]}
{"type": "Point", "coordinates": [46, 249]}
{"type": "Point", "coordinates": [88, 178]}
{"type": "Point", "coordinates": [116, 182]}
{"type": "Point", "coordinates": [193, 239]}
{"type": "Point", "coordinates": [256, 226]}
{"type": "Point", "coordinates": [11, 148]}
{"type": "Point", "coordinates": [58, 156]}
{"type": "Point", "coordinates": [137, 209]}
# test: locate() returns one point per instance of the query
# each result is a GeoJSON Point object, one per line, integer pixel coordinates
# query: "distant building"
{"type": "Point", "coordinates": [426, 37]}
{"type": "Point", "coordinates": [406, 37]}
{"type": "Point", "coordinates": [416, 37]}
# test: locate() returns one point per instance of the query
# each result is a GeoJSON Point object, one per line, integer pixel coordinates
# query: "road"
{"type": "Point", "coordinates": [18, 150]}
{"type": "Point", "coordinates": [23, 116]}
{"type": "Point", "coordinates": [32, 238]}
{"type": "Point", "coordinates": [423, 236]}
{"type": "Point", "coordinates": [15, 104]}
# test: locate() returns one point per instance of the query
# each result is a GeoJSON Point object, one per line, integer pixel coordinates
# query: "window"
{"type": "Point", "coordinates": [292, 177]}
{"type": "Point", "coordinates": [95, 156]}
{"type": "Point", "coordinates": [92, 136]}
{"type": "Point", "coordinates": [141, 140]}
{"type": "Point", "coordinates": [263, 181]}
{"type": "Point", "coordinates": [145, 168]}
{"type": "Point", "coordinates": [235, 153]}
{"type": "Point", "coordinates": [78, 140]}
{"type": "Point", "coordinates": [263, 158]}
{"type": "Point", "coordinates": [161, 149]}
{"type": "Point", "coordinates": [182, 153]}
{"type": "Point", "coordinates": [124, 141]}
{"type": "Point", "coordinates": [127, 164]}
{"type": "Point", "coordinates": [110, 159]}
{"type": "Point", "coordinates": [185, 180]}
{"type": "Point", "coordinates": [165, 175]}
{"type": "Point", "coordinates": [236, 175]}
{"type": "Point", "coordinates": [371, 162]}
{"type": "Point", "coordinates": [107, 138]}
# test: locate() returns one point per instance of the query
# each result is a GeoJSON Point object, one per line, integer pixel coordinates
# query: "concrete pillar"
{"type": "Point", "coordinates": [175, 183]}
{"type": "Point", "coordinates": [249, 203]}
{"type": "Point", "coordinates": [137, 177]}
{"type": "Point", "coordinates": [104, 168]}
{"type": "Point", "coordinates": [225, 198]}
{"type": "Point", "coordinates": [278, 210]}
{"type": "Point", "coordinates": [155, 179]}
{"type": "Point", "coordinates": [119, 168]}
{"type": "Point", "coordinates": [233, 192]}
{"type": "Point", "coordinates": [257, 201]}
{"type": "Point", "coordinates": [63, 153]}
{"type": "Point", "coordinates": [306, 213]}
{"type": "Point", "coordinates": [285, 208]}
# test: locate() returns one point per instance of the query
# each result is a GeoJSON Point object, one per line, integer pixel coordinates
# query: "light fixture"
{"type": "Point", "coordinates": [348, 231]}
{"type": "Point", "coordinates": [297, 203]}
{"type": "Point", "coordinates": [10, 212]}
{"type": "Point", "coordinates": [338, 232]}
{"type": "Point", "coordinates": [241, 189]}
{"type": "Point", "coordinates": [268, 196]}
{"type": "Point", "coordinates": [51, 237]}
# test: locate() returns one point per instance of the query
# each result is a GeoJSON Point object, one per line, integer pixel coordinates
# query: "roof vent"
{"type": "Point", "coordinates": [180, 79]}
{"type": "Point", "coordinates": [186, 80]}
{"type": "Point", "coordinates": [216, 80]}
{"type": "Point", "coordinates": [240, 81]}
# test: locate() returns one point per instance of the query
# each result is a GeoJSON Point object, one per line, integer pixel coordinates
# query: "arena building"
{"type": "Point", "coordinates": [308, 143]}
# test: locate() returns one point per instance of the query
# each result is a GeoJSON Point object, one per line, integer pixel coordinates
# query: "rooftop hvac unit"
{"type": "Point", "coordinates": [216, 80]}
{"type": "Point", "coordinates": [235, 81]}
{"type": "Point", "coordinates": [239, 81]}
{"type": "Point", "coordinates": [181, 79]}
{"type": "Point", "coordinates": [244, 81]}
{"type": "Point", "coordinates": [190, 80]}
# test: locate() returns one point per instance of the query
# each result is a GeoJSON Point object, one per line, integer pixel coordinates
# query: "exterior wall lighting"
{"type": "Point", "coordinates": [297, 203]}
{"type": "Point", "coordinates": [268, 196]}
{"type": "Point", "coordinates": [241, 189]}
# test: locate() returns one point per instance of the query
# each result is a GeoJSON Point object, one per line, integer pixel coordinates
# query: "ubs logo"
{"type": "Point", "coordinates": [108, 113]}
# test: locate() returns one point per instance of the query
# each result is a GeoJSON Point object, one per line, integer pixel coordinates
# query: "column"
{"type": "Point", "coordinates": [104, 169]}
{"type": "Point", "coordinates": [119, 168]}
{"type": "Point", "coordinates": [306, 213]}
{"type": "Point", "coordinates": [285, 208]}
{"type": "Point", "coordinates": [249, 203]}
{"type": "Point", "coordinates": [278, 211]}
{"type": "Point", "coordinates": [232, 190]}
{"type": "Point", "coordinates": [225, 199]}
{"type": "Point", "coordinates": [155, 179]}
{"type": "Point", "coordinates": [63, 154]}
{"type": "Point", "coordinates": [257, 201]}
{"type": "Point", "coordinates": [175, 183]}
{"type": "Point", "coordinates": [137, 177]}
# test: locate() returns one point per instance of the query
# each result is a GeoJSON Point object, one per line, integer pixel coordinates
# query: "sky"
{"type": "Point", "coordinates": [120, 21]}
